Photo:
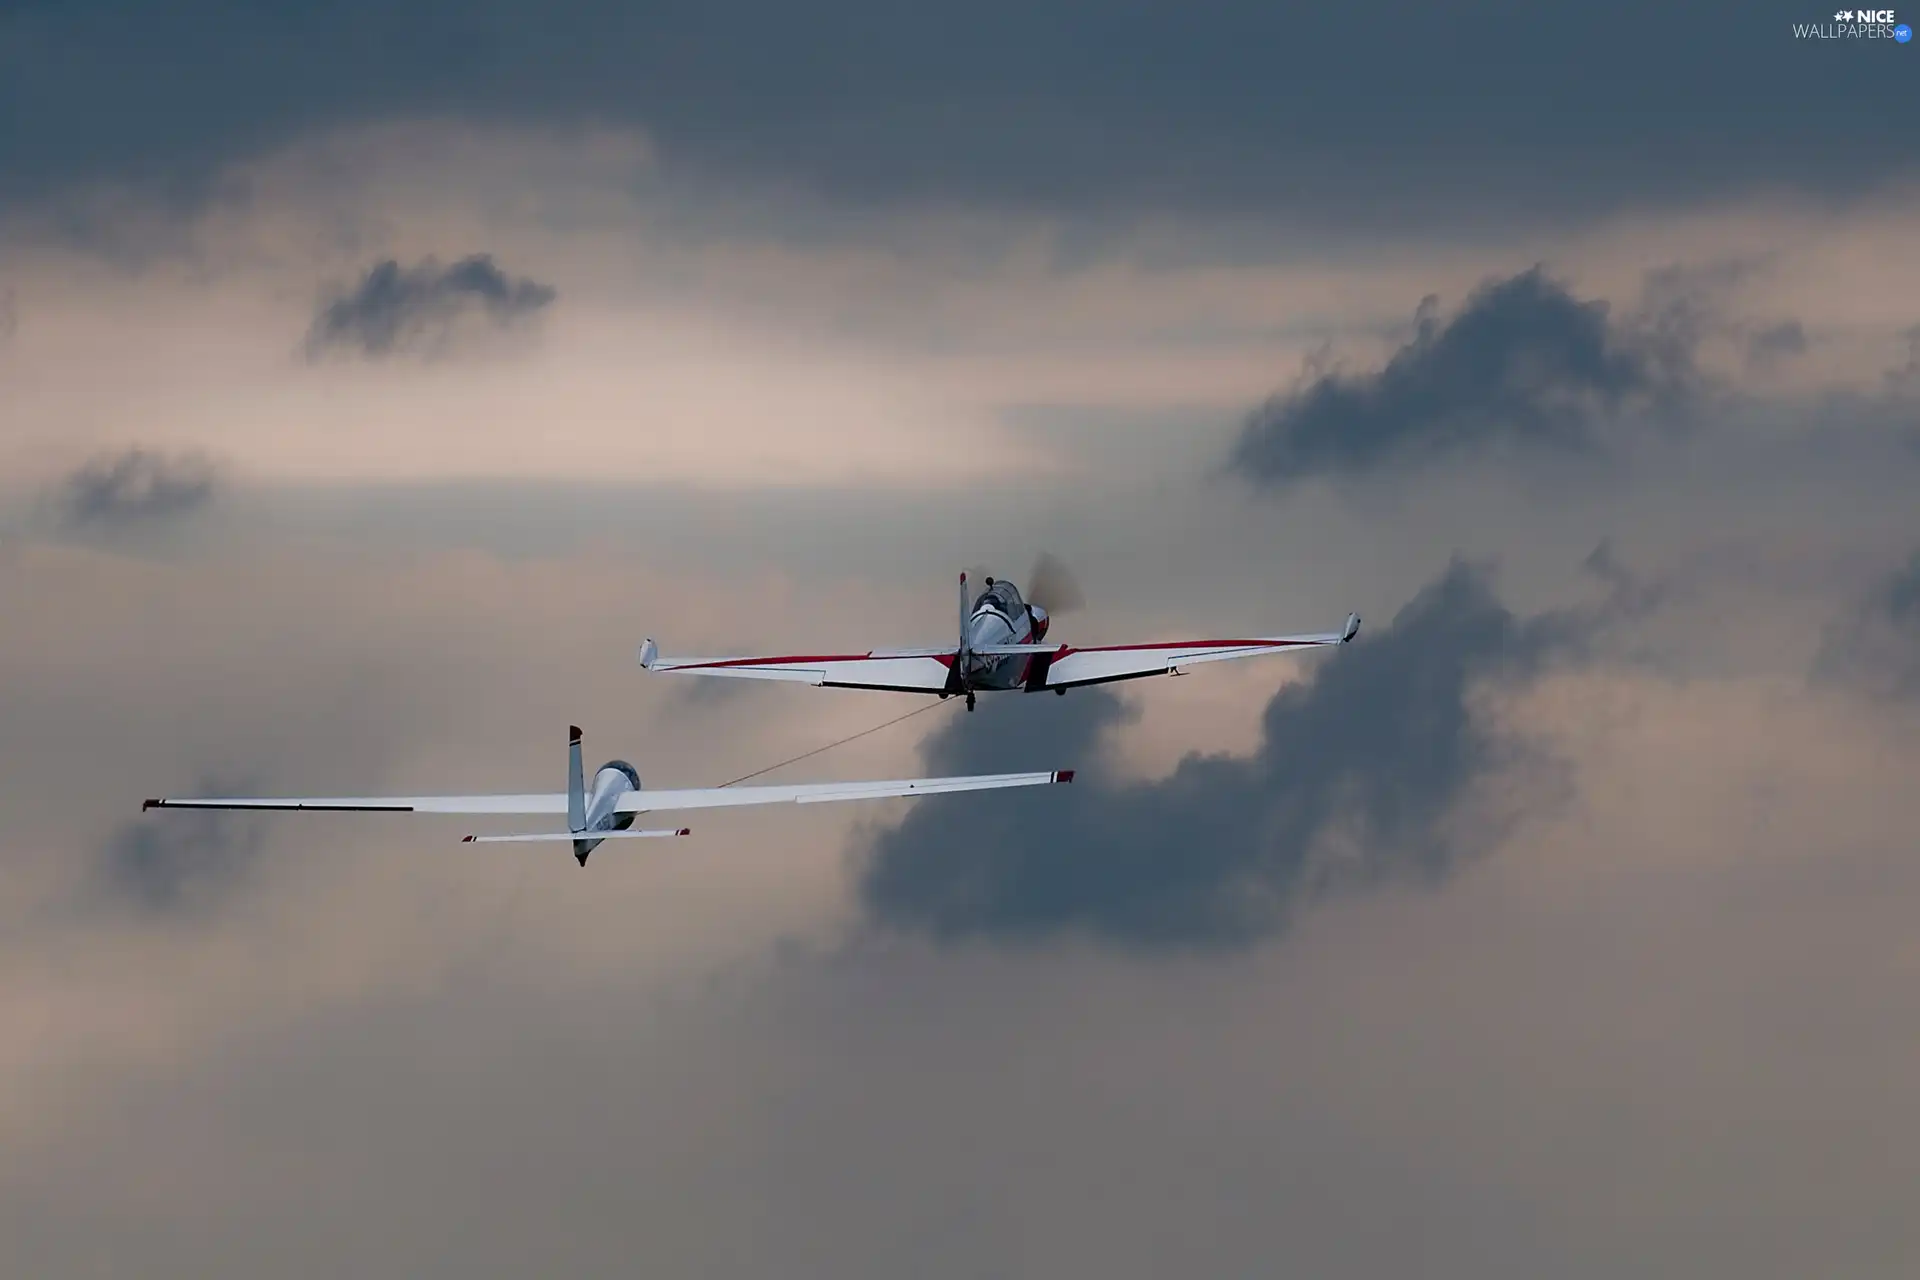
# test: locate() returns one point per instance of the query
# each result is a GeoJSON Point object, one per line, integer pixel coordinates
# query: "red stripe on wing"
{"type": "Point", "coordinates": [808, 659]}
{"type": "Point", "coordinates": [1184, 644]}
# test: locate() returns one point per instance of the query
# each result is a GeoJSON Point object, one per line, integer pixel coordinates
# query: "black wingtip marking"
{"type": "Point", "coordinates": [573, 734]}
{"type": "Point", "coordinates": [466, 839]}
{"type": "Point", "coordinates": [684, 831]}
{"type": "Point", "coordinates": [150, 804]}
{"type": "Point", "coordinates": [1065, 775]}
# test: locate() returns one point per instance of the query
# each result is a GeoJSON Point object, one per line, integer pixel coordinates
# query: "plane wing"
{"type": "Point", "coordinates": [632, 802]}
{"type": "Point", "coordinates": [1072, 667]}
{"type": "Point", "coordinates": [899, 670]}
{"type": "Point", "coordinates": [1056, 666]}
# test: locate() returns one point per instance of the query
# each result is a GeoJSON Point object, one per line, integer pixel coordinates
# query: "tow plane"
{"type": "Point", "coordinates": [606, 810]}
{"type": "Point", "coordinates": [1002, 646]}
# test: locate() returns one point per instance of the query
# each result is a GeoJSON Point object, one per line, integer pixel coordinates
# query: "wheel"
{"type": "Point", "coordinates": [1060, 693]}
{"type": "Point", "coordinates": [969, 700]}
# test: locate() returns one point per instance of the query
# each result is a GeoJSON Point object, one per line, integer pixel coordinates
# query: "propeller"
{"type": "Point", "coordinates": [1053, 587]}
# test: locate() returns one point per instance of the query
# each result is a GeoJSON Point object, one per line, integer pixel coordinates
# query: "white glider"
{"type": "Point", "coordinates": [606, 811]}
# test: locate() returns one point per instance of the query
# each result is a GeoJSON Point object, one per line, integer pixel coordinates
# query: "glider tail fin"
{"type": "Point", "coordinates": [576, 783]}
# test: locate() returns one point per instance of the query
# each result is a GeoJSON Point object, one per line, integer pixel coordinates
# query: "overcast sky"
{"type": "Point", "coordinates": [372, 381]}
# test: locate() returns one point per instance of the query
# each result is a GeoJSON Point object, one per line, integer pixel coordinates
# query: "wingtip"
{"type": "Point", "coordinates": [466, 839]}
{"type": "Point", "coordinates": [1353, 628]}
{"type": "Point", "coordinates": [573, 734]}
{"type": "Point", "coordinates": [1064, 775]}
{"type": "Point", "coordinates": [151, 804]}
{"type": "Point", "coordinates": [684, 831]}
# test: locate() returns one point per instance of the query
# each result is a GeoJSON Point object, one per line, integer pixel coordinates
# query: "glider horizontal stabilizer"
{"type": "Point", "coordinates": [577, 835]}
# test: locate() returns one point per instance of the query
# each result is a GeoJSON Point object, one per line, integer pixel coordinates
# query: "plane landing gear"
{"type": "Point", "coordinates": [1061, 693]}
{"type": "Point", "coordinates": [969, 699]}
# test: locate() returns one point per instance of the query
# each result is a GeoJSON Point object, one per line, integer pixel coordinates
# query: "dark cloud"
{"type": "Point", "coordinates": [1632, 594]}
{"type": "Point", "coordinates": [1367, 770]}
{"type": "Point", "coordinates": [133, 489]}
{"type": "Point", "coordinates": [1908, 374]}
{"type": "Point", "coordinates": [416, 308]}
{"type": "Point", "coordinates": [710, 693]}
{"type": "Point", "coordinates": [1775, 344]}
{"type": "Point", "coordinates": [1874, 648]}
{"type": "Point", "coordinates": [1522, 362]}
{"type": "Point", "coordinates": [1404, 114]}
{"type": "Point", "coordinates": [167, 861]}
{"type": "Point", "coordinates": [1685, 298]}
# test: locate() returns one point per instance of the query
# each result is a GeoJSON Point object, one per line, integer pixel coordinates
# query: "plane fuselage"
{"type": "Point", "coordinates": [1001, 617]}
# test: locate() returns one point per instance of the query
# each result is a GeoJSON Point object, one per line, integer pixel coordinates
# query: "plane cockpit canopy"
{"type": "Point", "coordinates": [1002, 595]}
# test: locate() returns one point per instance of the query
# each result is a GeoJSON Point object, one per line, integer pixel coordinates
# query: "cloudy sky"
{"type": "Point", "coordinates": [373, 379]}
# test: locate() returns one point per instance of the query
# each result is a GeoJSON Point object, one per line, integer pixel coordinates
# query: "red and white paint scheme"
{"type": "Point", "coordinates": [606, 810]}
{"type": "Point", "coordinates": [1002, 646]}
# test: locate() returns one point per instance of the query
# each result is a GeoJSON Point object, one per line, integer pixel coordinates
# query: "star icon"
{"type": "Point", "coordinates": [1845, 15]}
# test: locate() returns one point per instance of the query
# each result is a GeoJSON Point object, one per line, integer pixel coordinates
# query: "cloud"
{"type": "Point", "coordinates": [1776, 344]}
{"type": "Point", "coordinates": [1374, 760]}
{"type": "Point", "coordinates": [374, 979]}
{"type": "Point", "coordinates": [1632, 594]}
{"type": "Point", "coordinates": [710, 693]}
{"type": "Point", "coordinates": [1518, 116]}
{"type": "Point", "coordinates": [1522, 362]}
{"type": "Point", "coordinates": [172, 861]}
{"type": "Point", "coordinates": [137, 487]}
{"type": "Point", "coordinates": [1908, 374]}
{"type": "Point", "coordinates": [396, 308]}
{"type": "Point", "coordinates": [1874, 647]}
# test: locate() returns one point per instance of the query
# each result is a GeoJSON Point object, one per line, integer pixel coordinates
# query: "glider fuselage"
{"type": "Point", "coordinates": [614, 779]}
